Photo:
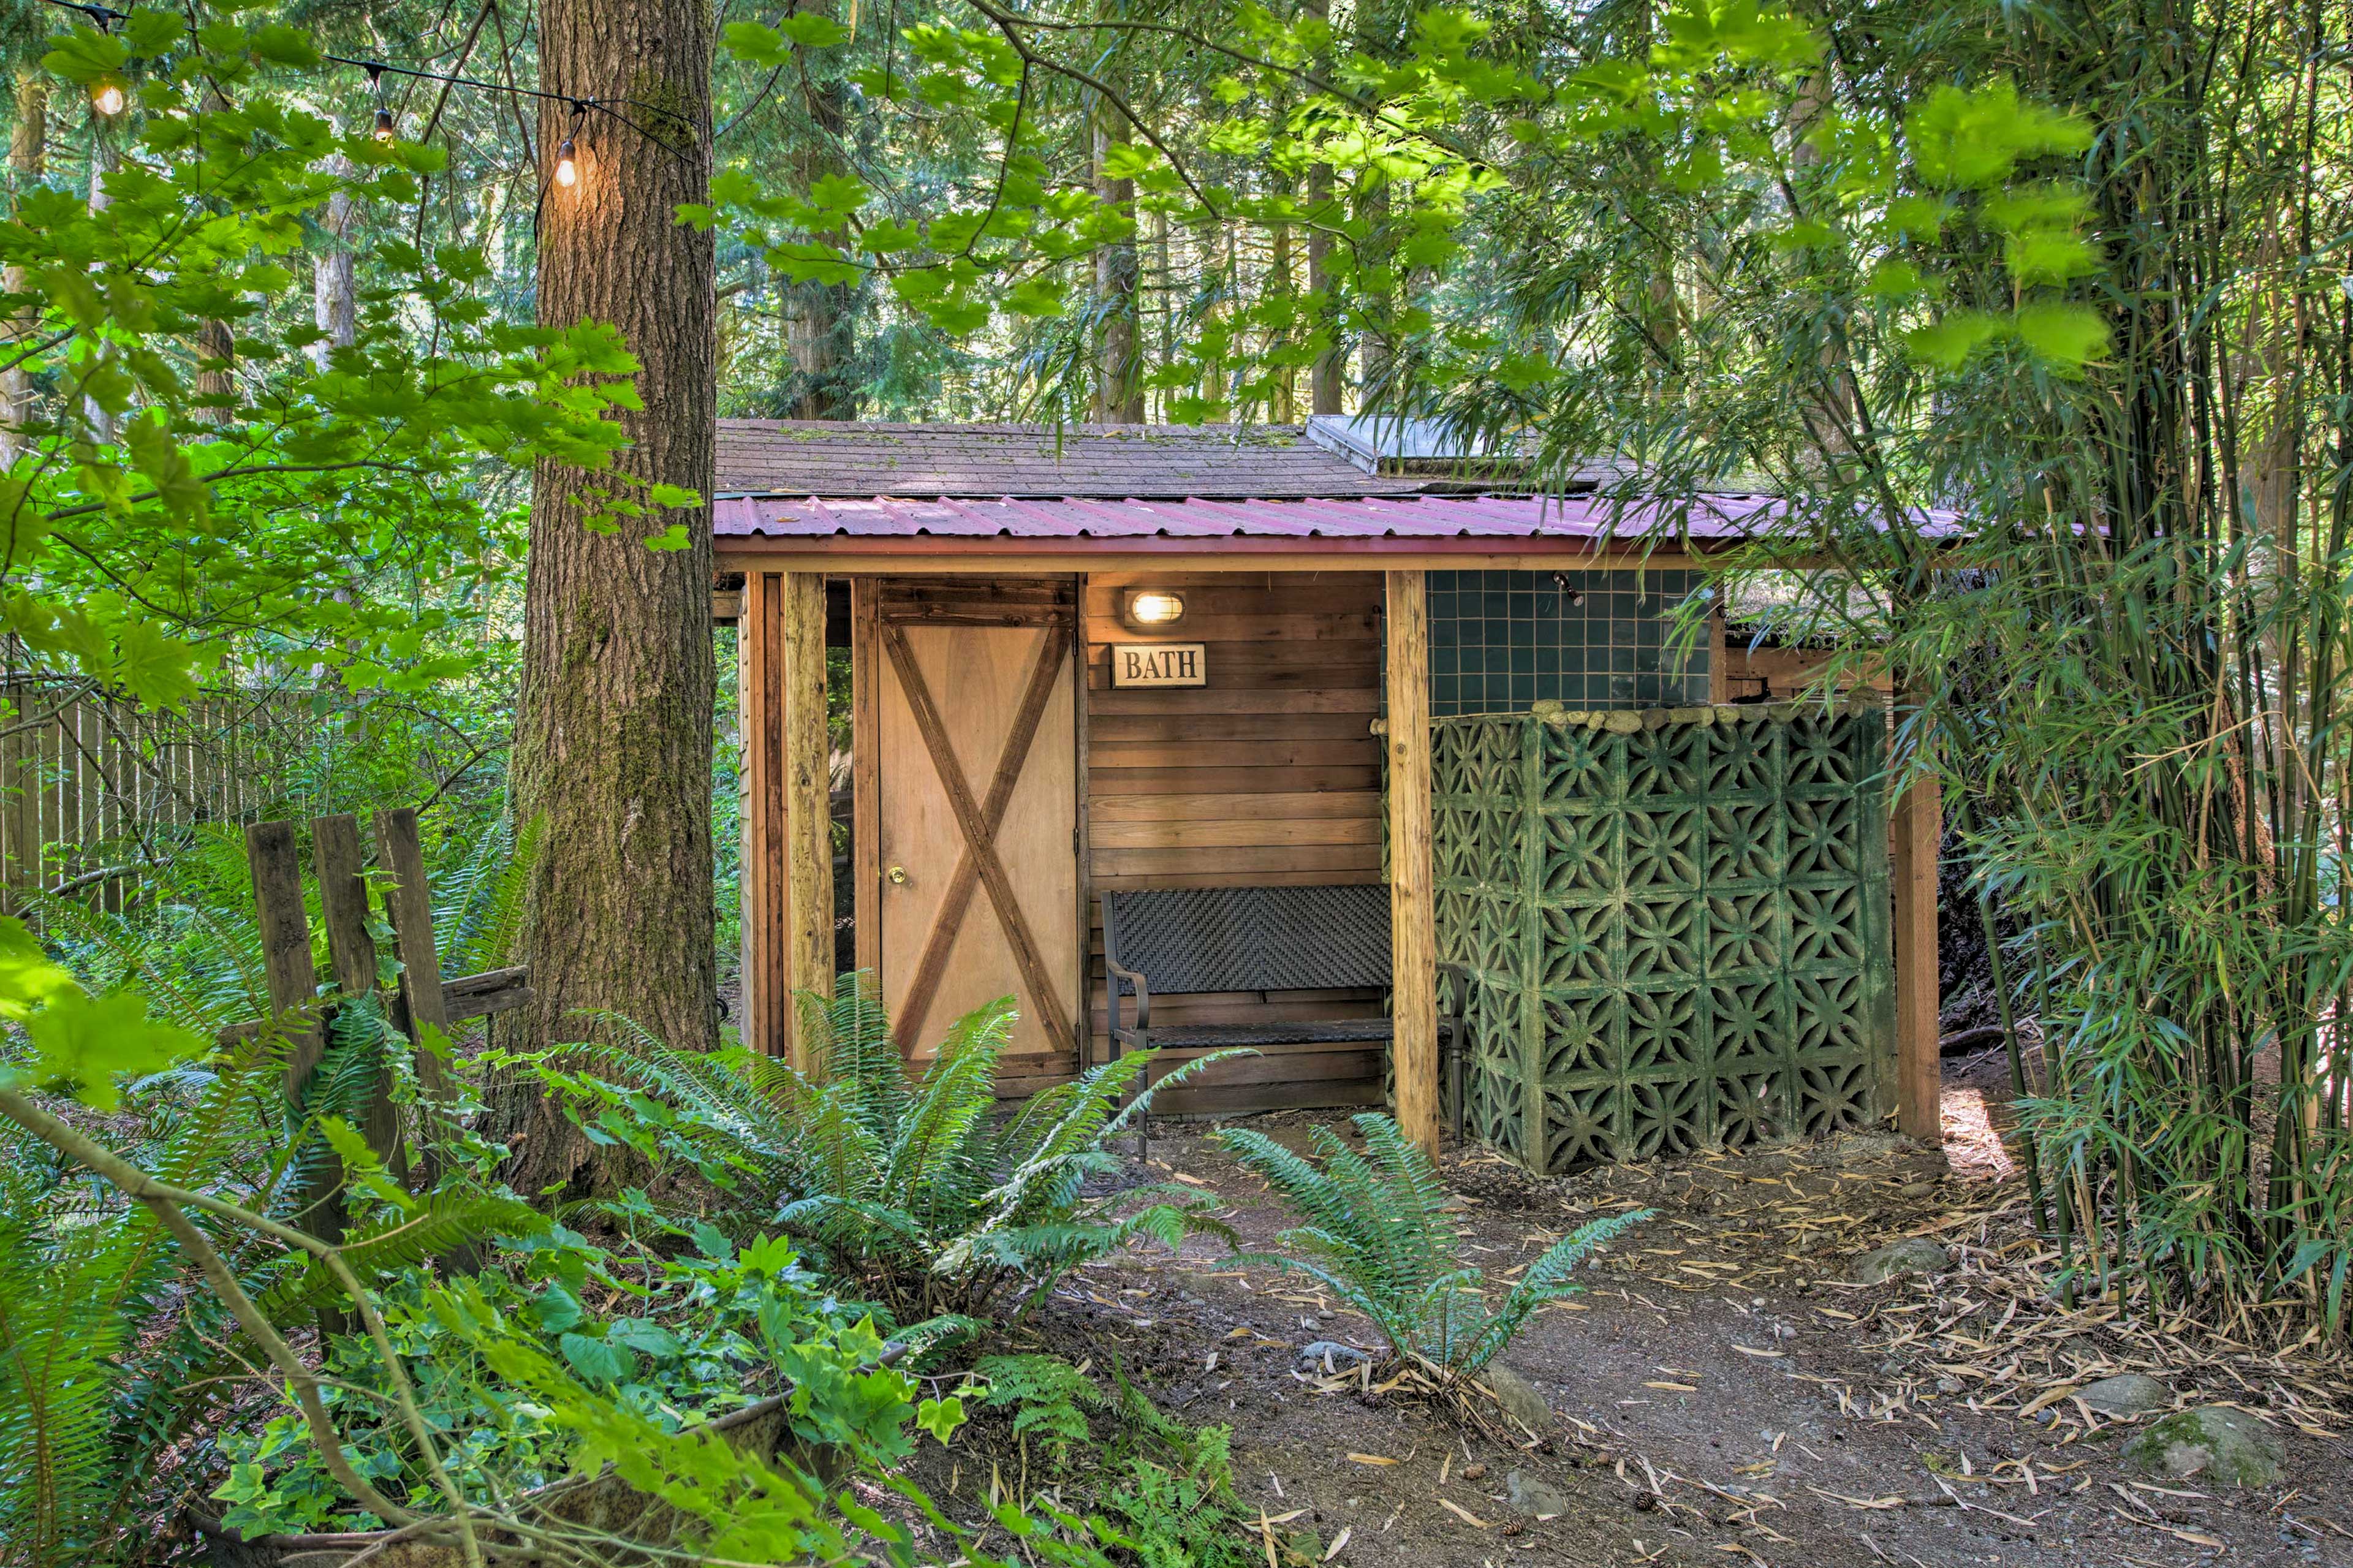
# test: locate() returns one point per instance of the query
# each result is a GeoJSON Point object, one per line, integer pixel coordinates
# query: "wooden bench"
{"type": "Point", "coordinates": [1166, 941]}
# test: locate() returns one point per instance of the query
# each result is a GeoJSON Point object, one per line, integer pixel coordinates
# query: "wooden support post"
{"type": "Point", "coordinates": [293, 980]}
{"type": "Point", "coordinates": [808, 786]}
{"type": "Point", "coordinates": [408, 904]}
{"type": "Point", "coordinates": [1917, 826]}
{"type": "Point", "coordinates": [350, 954]}
{"type": "Point", "coordinates": [866, 775]}
{"type": "Point", "coordinates": [1413, 930]}
{"type": "Point", "coordinates": [1719, 653]}
{"type": "Point", "coordinates": [767, 983]}
{"type": "Point", "coordinates": [342, 903]}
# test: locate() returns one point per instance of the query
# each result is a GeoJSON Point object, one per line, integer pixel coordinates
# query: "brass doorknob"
{"type": "Point", "coordinates": [897, 875]}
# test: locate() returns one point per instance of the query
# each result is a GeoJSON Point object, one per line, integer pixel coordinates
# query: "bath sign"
{"type": "Point", "coordinates": [1158, 664]}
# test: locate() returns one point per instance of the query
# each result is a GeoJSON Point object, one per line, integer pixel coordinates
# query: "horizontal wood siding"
{"type": "Point", "coordinates": [1268, 775]}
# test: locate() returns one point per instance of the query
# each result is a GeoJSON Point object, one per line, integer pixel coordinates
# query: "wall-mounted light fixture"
{"type": "Point", "coordinates": [1152, 609]}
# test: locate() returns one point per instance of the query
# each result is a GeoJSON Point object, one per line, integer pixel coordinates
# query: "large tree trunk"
{"type": "Point", "coordinates": [820, 320]}
{"type": "Point", "coordinates": [1119, 368]}
{"type": "Point", "coordinates": [334, 281]}
{"type": "Point", "coordinates": [28, 150]}
{"type": "Point", "coordinates": [613, 739]}
{"type": "Point", "coordinates": [1328, 379]}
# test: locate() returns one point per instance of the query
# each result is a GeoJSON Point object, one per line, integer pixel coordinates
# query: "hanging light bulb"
{"type": "Point", "coordinates": [108, 98]}
{"type": "Point", "coordinates": [568, 173]}
{"type": "Point", "coordinates": [384, 131]}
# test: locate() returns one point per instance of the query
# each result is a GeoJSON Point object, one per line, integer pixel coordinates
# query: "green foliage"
{"type": "Point", "coordinates": [1175, 1509]}
{"type": "Point", "coordinates": [703, 1335]}
{"type": "Point", "coordinates": [110, 1349]}
{"type": "Point", "coordinates": [161, 503]}
{"type": "Point", "coordinates": [1048, 1396]}
{"type": "Point", "coordinates": [1378, 1234]}
{"type": "Point", "coordinates": [913, 1189]}
{"type": "Point", "coordinates": [79, 1043]}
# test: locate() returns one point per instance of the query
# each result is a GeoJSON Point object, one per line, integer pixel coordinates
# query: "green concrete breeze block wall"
{"type": "Point", "coordinates": [1676, 934]}
{"type": "Point", "coordinates": [1501, 641]}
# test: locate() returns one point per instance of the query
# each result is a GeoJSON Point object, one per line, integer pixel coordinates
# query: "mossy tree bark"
{"type": "Point", "coordinates": [613, 738]}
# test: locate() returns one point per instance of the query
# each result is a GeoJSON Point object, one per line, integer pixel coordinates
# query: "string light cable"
{"type": "Point", "coordinates": [110, 96]}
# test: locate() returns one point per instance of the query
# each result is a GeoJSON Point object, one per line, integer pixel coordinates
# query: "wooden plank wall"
{"type": "Point", "coordinates": [1269, 773]}
{"type": "Point", "coordinates": [80, 777]}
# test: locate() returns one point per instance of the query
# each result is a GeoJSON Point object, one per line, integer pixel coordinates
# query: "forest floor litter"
{"type": "Point", "coordinates": [1722, 1393]}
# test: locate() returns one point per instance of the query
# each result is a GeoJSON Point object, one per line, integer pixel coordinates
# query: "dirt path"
{"type": "Point", "coordinates": [1724, 1398]}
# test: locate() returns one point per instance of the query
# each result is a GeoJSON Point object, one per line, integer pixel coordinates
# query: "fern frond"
{"type": "Point", "coordinates": [1548, 1278]}
{"type": "Point", "coordinates": [443, 1221]}
{"type": "Point", "coordinates": [1378, 1234]}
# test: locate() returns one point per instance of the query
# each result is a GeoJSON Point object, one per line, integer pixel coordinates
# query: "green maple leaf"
{"type": "Point", "coordinates": [83, 1043]}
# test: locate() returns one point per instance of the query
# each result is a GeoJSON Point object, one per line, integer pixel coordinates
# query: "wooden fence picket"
{"type": "Point", "coordinates": [299, 1005]}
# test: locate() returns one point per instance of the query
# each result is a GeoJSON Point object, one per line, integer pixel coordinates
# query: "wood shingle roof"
{"type": "Point", "coordinates": [784, 457]}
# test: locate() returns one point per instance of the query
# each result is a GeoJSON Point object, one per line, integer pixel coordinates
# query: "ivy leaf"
{"type": "Point", "coordinates": [940, 1417]}
{"type": "Point", "coordinates": [596, 1360]}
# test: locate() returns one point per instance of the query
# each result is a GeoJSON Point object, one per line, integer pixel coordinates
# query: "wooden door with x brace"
{"type": "Point", "coordinates": [969, 688]}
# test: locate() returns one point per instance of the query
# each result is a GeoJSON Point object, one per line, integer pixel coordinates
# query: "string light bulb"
{"type": "Point", "coordinates": [568, 173]}
{"type": "Point", "coordinates": [108, 98]}
{"type": "Point", "coordinates": [384, 131]}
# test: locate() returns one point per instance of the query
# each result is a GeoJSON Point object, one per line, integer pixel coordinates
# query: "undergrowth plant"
{"type": "Point", "coordinates": [698, 1328]}
{"type": "Point", "coordinates": [906, 1183]}
{"type": "Point", "coordinates": [454, 1396]}
{"type": "Point", "coordinates": [1378, 1234]}
{"type": "Point", "coordinates": [1166, 1490]}
{"type": "Point", "coordinates": [1049, 1398]}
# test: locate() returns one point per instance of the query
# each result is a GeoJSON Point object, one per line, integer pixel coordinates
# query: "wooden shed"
{"type": "Point", "coordinates": [1095, 661]}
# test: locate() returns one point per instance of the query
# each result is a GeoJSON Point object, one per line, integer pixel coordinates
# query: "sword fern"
{"type": "Point", "coordinates": [910, 1185]}
{"type": "Point", "coordinates": [1377, 1234]}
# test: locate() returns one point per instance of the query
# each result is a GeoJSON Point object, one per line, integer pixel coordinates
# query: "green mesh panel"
{"type": "Point", "coordinates": [1679, 938]}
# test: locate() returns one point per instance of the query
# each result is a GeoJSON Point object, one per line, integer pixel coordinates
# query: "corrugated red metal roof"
{"type": "Point", "coordinates": [1719, 519]}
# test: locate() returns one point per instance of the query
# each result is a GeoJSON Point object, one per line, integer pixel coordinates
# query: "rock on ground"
{"type": "Point", "coordinates": [2213, 1442]}
{"type": "Point", "coordinates": [1520, 1400]}
{"type": "Point", "coordinates": [1533, 1495]}
{"type": "Point", "coordinates": [1913, 1255]}
{"type": "Point", "coordinates": [1330, 1355]}
{"type": "Point", "coordinates": [2127, 1394]}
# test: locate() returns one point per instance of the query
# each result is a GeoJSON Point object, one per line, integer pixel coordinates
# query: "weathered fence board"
{"type": "Point", "coordinates": [300, 1004]}
{"type": "Point", "coordinates": [1678, 937]}
{"type": "Point", "coordinates": [83, 780]}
